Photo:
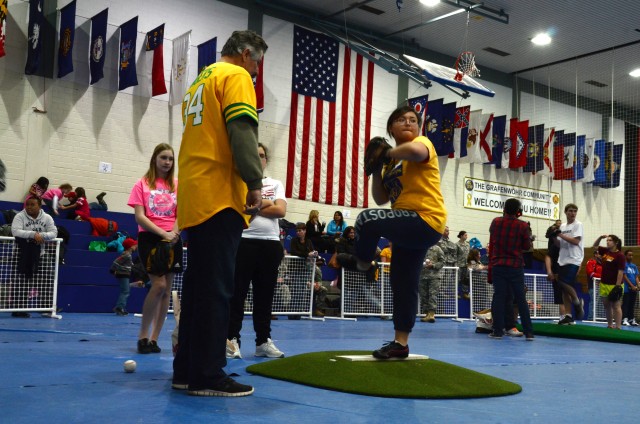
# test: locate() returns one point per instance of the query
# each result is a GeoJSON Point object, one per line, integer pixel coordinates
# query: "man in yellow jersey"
{"type": "Point", "coordinates": [219, 192]}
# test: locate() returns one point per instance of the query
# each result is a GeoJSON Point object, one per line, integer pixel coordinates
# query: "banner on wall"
{"type": "Point", "coordinates": [179, 68]}
{"type": "Point", "coordinates": [127, 76]}
{"type": "Point", "coordinates": [155, 39]}
{"type": "Point", "coordinates": [34, 37]}
{"type": "Point", "coordinates": [3, 17]}
{"type": "Point", "coordinates": [67, 34]}
{"type": "Point", "coordinates": [490, 196]}
{"type": "Point", "coordinates": [98, 45]}
{"type": "Point", "coordinates": [207, 53]}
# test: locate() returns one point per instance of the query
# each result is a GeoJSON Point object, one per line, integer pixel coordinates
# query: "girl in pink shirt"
{"type": "Point", "coordinates": [154, 199]}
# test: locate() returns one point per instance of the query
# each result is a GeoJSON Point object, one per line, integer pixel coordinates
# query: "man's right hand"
{"type": "Point", "coordinates": [254, 202]}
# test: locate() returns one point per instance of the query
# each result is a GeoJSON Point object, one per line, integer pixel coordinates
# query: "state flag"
{"type": "Point", "coordinates": [461, 132]}
{"type": "Point", "coordinates": [498, 136]}
{"type": "Point", "coordinates": [419, 104]}
{"type": "Point", "coordinates": [207, 53]}
{"type": "Point", "coordinates": [4, 11]}
{"type": "Point", "coordinates": [448, 117]}
{"type": "Point", "coordinates": [486, 138]}
{"type": "Point", "coordinates": [98, 45]}
{"type": "Point", "coordinates": [547, 148]}
{"type": "Point", "coordinates": [179, 68]}
{"type": "Point", "coordinates": [127, 76]}
{"type": "Point", "coordinates": [155, 43]}
{"type": "Point", "coordinates": [588, 160]}
{"type": "Point", "coordinates": [432, 124]}
{"type": "Point", "coordinates": [535, 152]}
{"type": "Point", "coordinates": [519, 132]}
{"type": "Point", "coordinates": [473, 138]}
{"type": "Point", "coordinates": [599, 154]}
{"type": "Point", "coordinates": [67, 35]}
{"type": "Point", "coordinates": [579, 161]}
{"type": "Point", "coordinates": [34, 37]}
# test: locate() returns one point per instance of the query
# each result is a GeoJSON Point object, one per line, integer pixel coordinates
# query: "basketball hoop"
{"type": "Point", "coordinates": [466, 61]}
{"type": "Point", "coordinates": [466, 65]}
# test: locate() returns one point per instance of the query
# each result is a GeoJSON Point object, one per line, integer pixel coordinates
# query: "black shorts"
{"type": "Point", "coordinates": [557, 293]}
{"type": "Point", "coordinates": [147, 241]}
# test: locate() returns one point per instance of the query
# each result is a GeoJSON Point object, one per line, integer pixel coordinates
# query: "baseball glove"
{"type": "Point", "coordinates": [615, 294]}
{"type": "Point", "coordinates": [375, 155]}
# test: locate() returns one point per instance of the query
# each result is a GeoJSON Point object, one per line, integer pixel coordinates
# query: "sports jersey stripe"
{"type": "Point", "coordinates": [236, 110]}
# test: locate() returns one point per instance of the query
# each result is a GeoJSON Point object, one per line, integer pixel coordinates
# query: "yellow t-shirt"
{"type": "Point", "coordinates": [416, 186]}
{"type": "Point", "coordinates": [209, 181]}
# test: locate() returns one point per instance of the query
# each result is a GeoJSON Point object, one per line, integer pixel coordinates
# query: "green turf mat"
{"type": "Point", "coordinates": [587, 332]}
{"type": "Point", "coordinates": [399, 379]}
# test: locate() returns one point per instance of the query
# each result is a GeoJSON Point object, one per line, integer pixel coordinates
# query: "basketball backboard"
{"type": "Point", "coordinates": [446, 76]}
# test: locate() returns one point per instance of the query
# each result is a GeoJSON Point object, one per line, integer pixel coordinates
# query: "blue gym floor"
{"type": "Point", "coordinates": [70, 371]}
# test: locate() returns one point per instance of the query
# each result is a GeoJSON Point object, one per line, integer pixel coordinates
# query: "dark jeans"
{"type": "Point", "coordinates": [504, 280]}
{"type": "Point", "coordinates": [257, 264]}
{"type": "Point", "coordinates": [411, 238]}
{"type": "Point", "coordinates": [628, 304]}
{"type": "Point", "coordinates": [206, 291]}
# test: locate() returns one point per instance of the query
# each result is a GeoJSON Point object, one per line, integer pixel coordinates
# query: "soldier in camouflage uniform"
{"type": "Point", "coordinates": [430, 282]}
{"type": "Point", "coordinates": [463, 273]}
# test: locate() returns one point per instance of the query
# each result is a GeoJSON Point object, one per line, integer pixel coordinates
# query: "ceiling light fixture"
{"type": "Point", "coordinates": [541, 39]}
{"type": "Point", "coordinates": [635, 73]}
{"type": "Point", "coordinates": [430, 3]}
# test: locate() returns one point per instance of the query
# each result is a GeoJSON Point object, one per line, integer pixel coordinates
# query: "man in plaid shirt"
{"type": "Point", "coordinates": [509, 237]}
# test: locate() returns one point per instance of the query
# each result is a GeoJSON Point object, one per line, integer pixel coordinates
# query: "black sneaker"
{"type": "Point", "coordinates": [567, 320]}
{"type": "Point", "coordinates": [179, 385]}
{"type": "Point", "coordinates": [391, 350]}
{"type": "Point", "coordinates": [21, 315]}
{"type": "Point", "coordinates": [228, 387]}
{"type": "Point", "coordinates": [529, 337]}
{"type": "Point", "coordinates": [120, 312]}
{"type": "Point", "coordinates": [153, 347]}
{"type": "Point", "coordinates": [494, 335]}
{"type": "Point", "coordinates": [143, 346]}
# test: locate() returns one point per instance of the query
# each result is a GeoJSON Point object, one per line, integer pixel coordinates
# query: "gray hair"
{"type": "Point", "coordinates": [241, 40]}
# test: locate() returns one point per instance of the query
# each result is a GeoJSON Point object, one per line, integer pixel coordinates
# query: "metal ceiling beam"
{"type": "Point", "coordinates": [498, 15]}
{"type": "Point", "coordinates": [430, 21]}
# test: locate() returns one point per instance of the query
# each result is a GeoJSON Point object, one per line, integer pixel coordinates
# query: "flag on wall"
{"type": "Point", "coordinates": [519, 133]}
{"type": "Point", "coordinates": [564, 156]}
{"type": "Point", "coordinates": [499, 125]}
{"type": "Point", "coordinates": [207, 53]}
{"type": "Point", "coordinates": [473, 138]}
{"type": "Point", "coordinates": [507, 145]}
{"type": "Point", "coordinates": [486, 137]}
{"type": "Point", "coordinates": [4, 11]}
{"type": "Point", "coordinates": [34, 37]}
{"type": "Point", "coordinates": [432, 124]}
{"type": "Point", "coordinates": [258, 84]}
{"type": "Point", "coordinates": [446, 129]}
{"type": "Point", "coordinates": [578, 162]}
{"type": "Point", "coordinates": [589, 147]}
{"type": "Point", "coordinates": [98, 45]}
{"type": "Point", "coordinates": [598, 162]}
{"type": "Point", "coordinates": [612, 165]}
{"type": "Point", "coordinates": [419, 104]}
{"type": "Point", "coordinates": [535, 152]}
{"type": "Point", "coordinates": [67, 34]}
{"type": "Point", "coordinates": [127, 63]}
{"type": "Point", "coordinates": [547, 149]}
{"type": "Point", "coordinates": [179, 68]}
{"type": "Point", "coordinates": [330, 121]}
{"type": "Point", "coordinates": [154, 42]}
{"type": "Point", "coordinates": [460, 132]}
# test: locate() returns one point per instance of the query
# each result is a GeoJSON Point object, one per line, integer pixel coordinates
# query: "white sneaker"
{"type": "Point", "coordinates": [268, 350]}
{"type": "Point", "coordinates": [233, 349]}
{"type": "Point", "coordinates": [633, 322]}
{"type": "Point", "coordinates": [625, 321]}
{"type": "Point", "coordinates": [514, 332]}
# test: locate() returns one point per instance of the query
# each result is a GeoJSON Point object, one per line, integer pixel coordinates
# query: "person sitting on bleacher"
{"type": "Point", "coordinates": [301, 246]}
{"type": "Point", "coordinates": [31, 227]}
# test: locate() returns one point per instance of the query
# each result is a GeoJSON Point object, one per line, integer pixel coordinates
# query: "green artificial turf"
{"type": "Point", "coordinates": [427, 378]}
{"type": "Point", "coordinates": [587, 332]}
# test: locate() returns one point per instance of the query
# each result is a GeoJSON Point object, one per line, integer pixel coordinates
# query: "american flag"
{"type": "Point", "coordinates": [330, 121]}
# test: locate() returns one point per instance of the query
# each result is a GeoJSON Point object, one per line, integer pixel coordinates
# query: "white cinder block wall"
{"type": "Point", "coordinates": [84, 125]}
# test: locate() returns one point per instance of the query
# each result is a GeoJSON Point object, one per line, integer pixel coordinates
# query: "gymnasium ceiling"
{"type": "Point", "coordinates": [580, 29]}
